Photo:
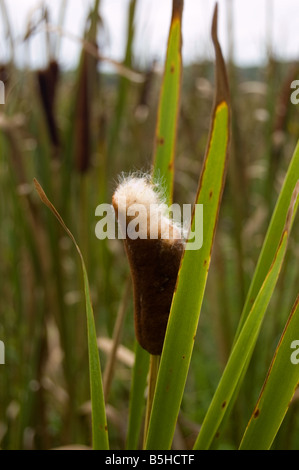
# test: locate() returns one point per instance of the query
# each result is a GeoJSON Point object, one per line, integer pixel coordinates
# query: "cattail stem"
{"type": "Point", "coordinates": [153, 374]}
{"type": "Point", "coordinates": [8, 32]}
{"type": "Point", "coordinates": [110, 367]}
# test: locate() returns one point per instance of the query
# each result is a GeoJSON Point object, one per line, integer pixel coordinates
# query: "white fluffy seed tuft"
{"type": "Point", "coordinates": [139, 192]}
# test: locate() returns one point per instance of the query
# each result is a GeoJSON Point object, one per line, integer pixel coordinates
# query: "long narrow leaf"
{"type": "Point", "coordinates": [137, 401]}
{"type": "Point", "coordinates": [246, 341]}
{"type": "Point", "coordinates": [279, 387]}
{"type": "Point", "coordinates": [270, 244]}
{"type": "Point", "coordinates": [123, 86]}
{"type": "Point", "coordinates": [272, 237]}
{"type": "Point", "coordinates": [169, 104]}
{"type": "Point", "coordinates": [186, 305]}
{"type": "Point", "coordinates": [99, 423]}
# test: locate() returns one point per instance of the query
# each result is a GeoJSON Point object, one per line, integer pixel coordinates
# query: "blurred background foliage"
{"type": "Point", "coordinates": [75, 132]}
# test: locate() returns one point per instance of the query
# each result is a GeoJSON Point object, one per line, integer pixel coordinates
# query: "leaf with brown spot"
{"type": "Point", "coordinates": [169, 104]}
{"type": "Point", "coordinates": [278, 389]}
{"type": "Point", "coordinates": [256, 413]}
{"type": "Point", "coordinates": [245, 344]}
{"type": "Point", "coordinates": [187, 299]}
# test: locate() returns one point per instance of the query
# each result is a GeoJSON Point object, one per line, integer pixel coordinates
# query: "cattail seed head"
{"type": "Point", "coordinates": [47, 83]}
{"type": "Point", "coordinates": [154, 261]}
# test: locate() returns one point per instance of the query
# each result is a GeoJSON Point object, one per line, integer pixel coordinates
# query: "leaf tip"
{"type": "Point", "coordinates": [177, 9]}
{"type": "Point", "coordinates": [39, 190]}
{"type": "Point", "coordinates": [222, 87]}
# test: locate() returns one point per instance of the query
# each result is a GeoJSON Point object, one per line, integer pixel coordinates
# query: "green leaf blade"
{"type": "Point", "coordinates": [169, 105]}
{"type": "Point", "coordinates": [240, 354]}
{"type": "Point", "coordinates": [99, 421]}
{"type": "Point", "coordinates": [279, 387]}
{"type": "Point", "coordinates": [244, 346]}
{"type": "Point", "coordinates": [137, 401]}
{"type": "Point", "coordinates": [181, 329]}
{"type": "Point", "coordinates": [272, 236]}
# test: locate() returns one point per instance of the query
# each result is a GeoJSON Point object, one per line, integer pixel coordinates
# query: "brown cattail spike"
{"type": "Point", "coordinates": [47, 82]}
{"type": "Point", "coordinates": [83, 111]}
{"type": "Point", "coordinates": [154, 262]}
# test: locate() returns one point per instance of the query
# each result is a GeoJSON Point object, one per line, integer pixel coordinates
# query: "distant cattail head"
{"type": "Point", "coordinates": [83, 111]}
{"type": "Point", "coordinates": [47, 83]}
{"type": "Point", "coordinates": [4, 74]}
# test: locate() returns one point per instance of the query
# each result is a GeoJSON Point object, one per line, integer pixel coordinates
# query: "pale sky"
{"type": "Point", "coordinates": [255, 23]}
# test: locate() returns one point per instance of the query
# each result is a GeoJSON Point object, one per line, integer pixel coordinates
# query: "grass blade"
{"type": "Point", "coordinates": [123, 87]}
{"type": "Point", "coordinates": [244, 346]}
{"type": "Point", "coordinates": [271, 241]}
{"type": "Point", "coordinates": [137, 400]}
{"type": "Point", "coordinates": [99, 423]}
{"type": "Point", "coordinates": [272, 236]}
{"type": "Point", "coordinates": [165, 142]}
{"type": "Point", "coordinates": [169, 104]}
{"type": "Point", "coordinates": [181, 329]}
{"type": "Point", "coordinates": [276, 394]}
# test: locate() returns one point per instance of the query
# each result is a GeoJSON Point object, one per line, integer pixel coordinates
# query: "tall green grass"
{"type": "Point", "coordinates": [225, 378]}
